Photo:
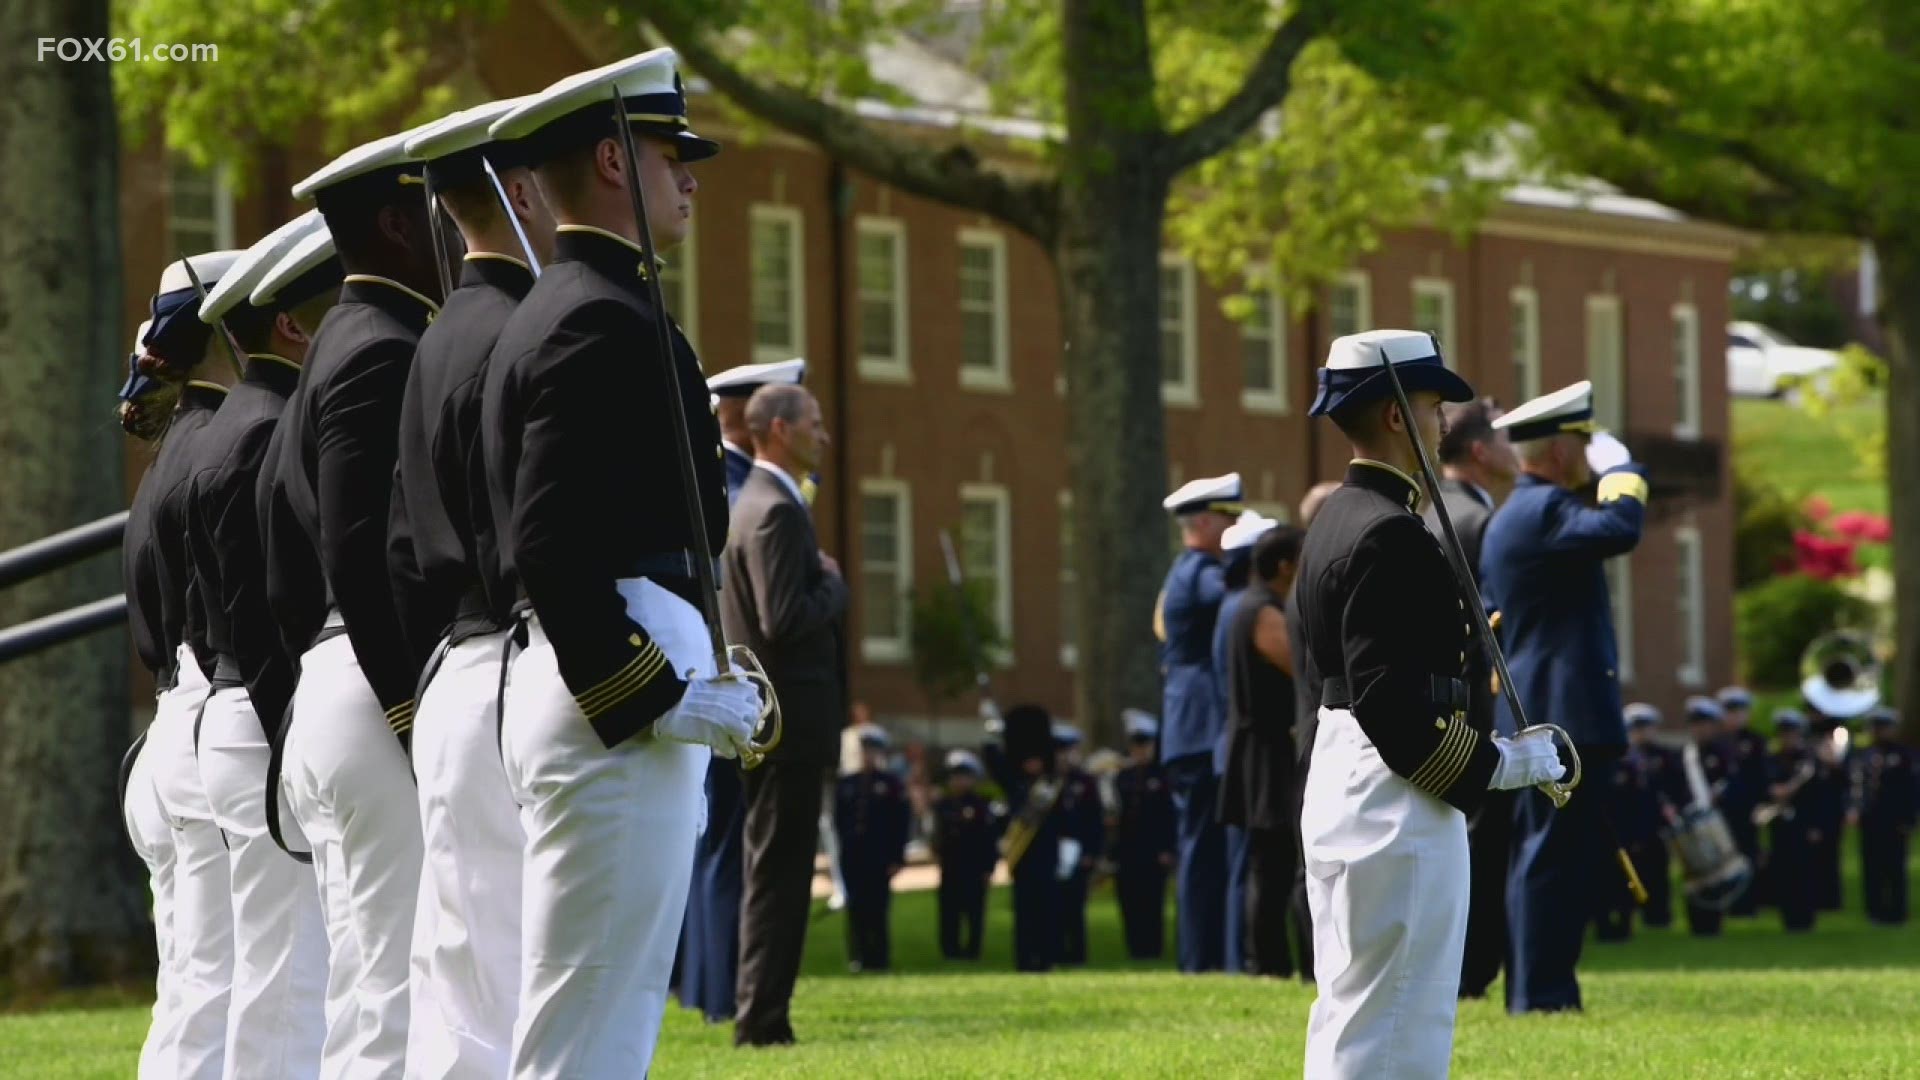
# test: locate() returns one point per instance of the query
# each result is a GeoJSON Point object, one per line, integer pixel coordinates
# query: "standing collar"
{"type": "Point", "coordinates": [272, 371]}
{"type": "Point", "coordinates": [201, 395]}
{"type": "Point", "coordinates": [503, 272]}
{"type": "Point", "coordinates": [1378, 476]}
{"type": "Point", "coordinates": [401, 302]}
{"type": "Point", "coordinates": [609, 252]}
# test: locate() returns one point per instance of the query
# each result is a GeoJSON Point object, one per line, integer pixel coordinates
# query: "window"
{"type": "Point", "coordinates": [779, 292]}
{"type": "Point", "coordinates": [1179, 384]}
{"type": "Point", "coordinates": [1523, 312]}
{"type": "Point", "coordinates": [1433, 311]}
{"type": "Point", "coordinates": [679, 284]}
{"type": "Point", "coordinates": [1264, 380]}
{"type": "Point", "coordinates": [1686, 369]}
{"type": "Point", "coordinates": [199, 210]}
{"type": "Point", "coordinates": [1604, 362]}
{"type": "Point", "coordinates": [1069, 587]}
{"type": "Point", "coordinates": [886, 570]}
{"type": "Point", "coordinates": [1690, 605]}
{"type": "Point", "coordinates": [1349, 303]}
{"type": "Point", "coordinates": [983, 311]}
{"type": "Point", "coordinates": [1620, 597]}
{"type": "Point", "coordinates": [882, 271]}
{"type": "Point", "coordinates": [986, 552]}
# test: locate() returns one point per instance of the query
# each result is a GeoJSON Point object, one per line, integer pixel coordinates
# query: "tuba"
{"type": "Point", "coordinates": [1840, 675]}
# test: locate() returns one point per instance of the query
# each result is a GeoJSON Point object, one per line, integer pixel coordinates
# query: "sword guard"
{"type": "Point", "coordinates": [742, 664]}
{"type": "Point", "coordinates": [1559, 790]}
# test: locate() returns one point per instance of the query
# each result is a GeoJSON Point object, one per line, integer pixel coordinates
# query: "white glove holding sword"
{"type": "Point", "coordinates": [720, 713]}
{"type": "Point", "coordinates": [1527, 759]}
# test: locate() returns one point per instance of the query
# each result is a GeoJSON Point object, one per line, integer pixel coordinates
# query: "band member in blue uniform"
{"type": "Point", "coordinates": [965, 831]}
{"type": "Point", "coordinates": [1654, 770]}
{"type": "Point", "coordinates": [1027, 736]}
{"type": "Point", "coordinates": [1885, 804]}
{"type": "Point", "coordinates": [1787, 802]}
{"type": "Point", "coordinates": [1144, 846]}
{"type": "Point", "coordinates": [1637, 820]}
{"type": "Point", "coordinates": [1083, 822]}
{"type": "Point", "coordinates": [1706, 730]}
{"type": "Point", "coordinates": [1746, 789]}
{"type": "Point", "coordinates": [1541, 568]}
{"type": "Point", "coordinates": [870, 814]}
{"type": "Point", "coordinates": [1193, 717]}
{"type": "Point", "coordinates": [1396, 763]}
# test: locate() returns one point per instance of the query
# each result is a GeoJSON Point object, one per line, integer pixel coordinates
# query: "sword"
{"type": "Point", "coordinates": [519, 231]}
{"type": "Point", "coordinates": [439, 242]}
{"type": "Point", "coordinates": [233, 347]}
{"type": "Point", "coordinates": [725, 657]}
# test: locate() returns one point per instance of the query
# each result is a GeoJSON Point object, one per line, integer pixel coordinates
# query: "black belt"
{"type": "Point", "coordinates": [522, 612]}
{"type": "Point", "coordinates": [226, 673]}
{"type": "Point", "coordinates": [1449, 695]}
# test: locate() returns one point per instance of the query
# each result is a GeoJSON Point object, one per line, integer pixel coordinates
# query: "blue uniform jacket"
{"type": "Point", "coordinates": [739, 467]}
{"type": "Point", "coordinates": [1193, 715]}
{"type": "Point", "coordinates": [1541, 568]}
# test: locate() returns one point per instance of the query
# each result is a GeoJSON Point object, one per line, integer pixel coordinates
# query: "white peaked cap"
{"type": "Point", "coordinates": [238, 282]}
{"type": "Point", "coordinates": [210, 266]}
{"type": "Point", "coordinates": [1197, 494]}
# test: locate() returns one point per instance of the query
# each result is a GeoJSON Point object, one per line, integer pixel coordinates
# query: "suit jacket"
{"type": "Point", "coordinates": [1470, 517]}
{"type": "Point", "coordinates": [779, 602]}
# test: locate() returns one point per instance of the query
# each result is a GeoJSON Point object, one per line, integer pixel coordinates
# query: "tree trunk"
{"type": "Point", "coordinates": [71, 903]}
{"type": "Point", "coordinates": [1900, 307]}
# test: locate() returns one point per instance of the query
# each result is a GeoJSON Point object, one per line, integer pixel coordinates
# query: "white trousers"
{"type": "Point", "coordinates": [1387, 885]}
{"type": "Point", "coordinates": [202, 894]}
{"type": "Point", "coordinates": [609, 855]}
{"type": "Point", "coordinates": [466, 936]}
{"type": "Point", "coordinates": [152, 836]}
{"type": "Point", "coordinates": [348, 785]}
{"type": "Point", "coordinates": [277, 1021]}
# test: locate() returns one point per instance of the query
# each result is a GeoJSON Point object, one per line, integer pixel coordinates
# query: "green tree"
{"type": "Point", "coordinates": [955, 639]}
{"type": "Point", "coordinates": [1782, 116]}
{"type": "Point", "coordinates": [70, 896]}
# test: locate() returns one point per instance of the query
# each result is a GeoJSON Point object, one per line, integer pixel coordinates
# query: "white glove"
{"type": "Point", "coordinates": [1525, 760]}
{"type": "Point", "coordinates": [717, 713]}
{"type": "Point", "coordinates": [1605, 452]}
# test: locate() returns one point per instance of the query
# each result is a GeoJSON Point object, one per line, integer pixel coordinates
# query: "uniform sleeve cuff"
{"type": "Point", "coordinates": [400, 718]}
{"type": "Point", "coordinates": [1448, 761]}
{"type": "Point", "coordinates": [1623, 484]}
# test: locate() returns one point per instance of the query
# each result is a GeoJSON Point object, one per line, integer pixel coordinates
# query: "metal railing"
{"type": "Point", "coordinates": [46, 555]}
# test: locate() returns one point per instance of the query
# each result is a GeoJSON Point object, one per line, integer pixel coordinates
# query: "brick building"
{"type": "Point", "coordinates": [934, 343]}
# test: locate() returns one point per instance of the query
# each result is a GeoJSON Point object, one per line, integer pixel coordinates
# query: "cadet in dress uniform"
{"type": "Point", "coordinates": [965, 830]}
{"type": "Point", "coordinates": [615, 706]}
{"type": "Point", "coordinates": [1885, 805]}
{"type": "Point", "coordinates": [1654, 768]}
{"type": "Point", "coordinates": [1635, 814]}
{"type": "Point", "coordinates": [444, 562]}
{"type": "Point", "coordinates": [870, 815]}
{"type": "Point", "coordinates": [1706, 728]}
{"type": "Point", "coordinates": [1788, 770]}
{"type": "Point", "coordinates": [324, 514]}
{"type": "Point", "coordinates": [1541, 568]}
{"type": "Point", "coordinates": [710, 937]}
{"type": "Point", "coordinates": [1082, 823]}
{"type": "Point", "coordinates": [1144, 844]}
{"type": "Point", "coordinates": [1395, 762]}
{"type": "Point", "coordinates": [1193, 717]}
{"type": "Point", "coordinates": [170, 397]}
{"type": "Point", "coordinates": [1746, 789]}
{"type": "Point", "coordinates": [270, 302]}
{"type": "Point", "coordinates": [1028, 738]}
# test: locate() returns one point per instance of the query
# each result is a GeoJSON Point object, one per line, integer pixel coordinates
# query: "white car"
{"type": "Point", "coordinates": [1761, 362]}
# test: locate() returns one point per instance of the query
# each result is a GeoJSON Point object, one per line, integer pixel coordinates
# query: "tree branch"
{"type": "Point", "coordinates": [1266, 85]}
{"type": "Point", "coordinates": [953, 174]}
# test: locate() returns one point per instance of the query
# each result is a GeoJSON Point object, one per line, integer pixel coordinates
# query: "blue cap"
{"type": "Point", "coordinates": [1066, 735]}
{"type": "Point", "coordinates": [1789, 720]}
{"type": "Point", "coordinates": [1355, 373]}
{"type": "Point", "coordinates": [1736, 697]}
{"type": "Point", "coordinates": [1640, 714]}
{"type": "Point", "coordinates": [1701, 707]}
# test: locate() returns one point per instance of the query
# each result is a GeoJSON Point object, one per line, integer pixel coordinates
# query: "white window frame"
{"type": "Point", "coordinates": [685, 259]}
{"type": "Point", "coordinates": [998, 378]}
{"type": "Point", "coordinates": [891, 650]}
{"type": "Point", "coordinates": [1185, 392]}
{"type": "Point", "coordinates": [1620, 596]}
{"type": "Point", "coordinates": [1526, 364]}
{"type": "Point", "coordinates": [1690, 557]}
{"type": "Point", "coordinates": [1687, 370]}
{"type": "Point", "coordinates": [878, 367]}
{"type": "Point", "coordinates": [1441, 289]}
{"type": "Point", "coordinates": [1607, 306]}
{"type": "Point", "coordinates": [221, 226]}
{"type": "Point", "coordinates": [1003, 558]}
{"type": "Point", "coordinates": [1068, 581]}
{"type": "Point", "coordinates": [1362, 285]}
{"type": "Point", "coordinates": [796, 280]}
{"type": "Point", "coordinates": [1279, 400]}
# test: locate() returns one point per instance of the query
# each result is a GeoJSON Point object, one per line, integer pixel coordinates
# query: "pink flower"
{"type": "Point", "coordinates": [1817, 507]}
{"type": "Point", "coordinates": [1852, 524]}
{"type": "Point", "coordinates": [1823, 557]}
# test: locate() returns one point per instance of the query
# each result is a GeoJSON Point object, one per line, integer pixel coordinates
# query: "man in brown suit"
{"type": "Point", "coordinates": [782, 597]}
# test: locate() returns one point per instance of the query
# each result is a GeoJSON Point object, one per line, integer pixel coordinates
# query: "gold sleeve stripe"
{"type": "Point", "coordinates": [632, 678]}
{"type": "Point", "coordinates": [646, 653]}
{"type": "Point", "coordinates": [400, 717]}
{"type": "Point", "coordinates": [1623, 485]}
{"type": "Point", "coordinates": [1447, 761]}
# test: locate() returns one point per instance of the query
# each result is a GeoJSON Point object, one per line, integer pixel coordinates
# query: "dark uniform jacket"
{"type": "Point", "coordinates": [1257, 779]}
{"type": "Point", "coordinates": [870, 818]}
{"type": "Point", "coordinates": [965, 834]}
{"type": "Point", "coordinates": [1470, 509]}
{"type": "Point", "coordinates": [326, 505]}
{"type": "Point", "coordinates": [1190, 602]}
{"type": "Point", "coordinates": [443, 552]}
{"type": "Point", "coordinates": [164, 601]}
{"type": "Point", "coordinates": [1884, 787]}
{"type": "Point", "coordinates": [1081, 814]}
{"type": "Point", "coordinates": [1541, 568]}
{"type": "Point", "coordinates": [225, 535]}
{"type": "Point", "coordinates": [1385, 626]}
{"type": "Point", "coordinates": [1145, 827]}
{"type": "Point", "coordinates": [583, 471]}
{"type": "Point", "coordinates": [739, 467]}
{"type": "Point", "coordinates": [1716, 762]}
{"type": "Point", "coordinates": [781, 604]}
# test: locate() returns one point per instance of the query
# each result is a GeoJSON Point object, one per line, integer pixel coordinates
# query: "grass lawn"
{"type": "Point", "coordinates": [1806, 456]}
{"type": "Point", "coordinates": [1841, 1002]}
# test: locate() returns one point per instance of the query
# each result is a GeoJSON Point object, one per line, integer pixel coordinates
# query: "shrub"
{"type": "Point", "coordinates": [1777, 619]}
{"type": "Point", "coordinates": [1766, 520]}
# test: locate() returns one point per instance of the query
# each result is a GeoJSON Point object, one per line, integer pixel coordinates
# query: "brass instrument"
{"type": "Point", "coordinates": [1782, 807]}
{"type": "Point", "coordinates": [1840, 674]}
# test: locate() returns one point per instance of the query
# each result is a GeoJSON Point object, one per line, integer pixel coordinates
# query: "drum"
{"type": "Point", "coordinates": [1716, 873]}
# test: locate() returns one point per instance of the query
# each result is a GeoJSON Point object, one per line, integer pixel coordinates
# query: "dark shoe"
{"type": "Point", "coordinates": [782, 1037]}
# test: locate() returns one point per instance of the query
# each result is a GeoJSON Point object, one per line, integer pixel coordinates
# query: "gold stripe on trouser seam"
{"type": "Point", "coordinates": [628, 686]}
{"type": "Point", "coordinates": [613, 681]}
